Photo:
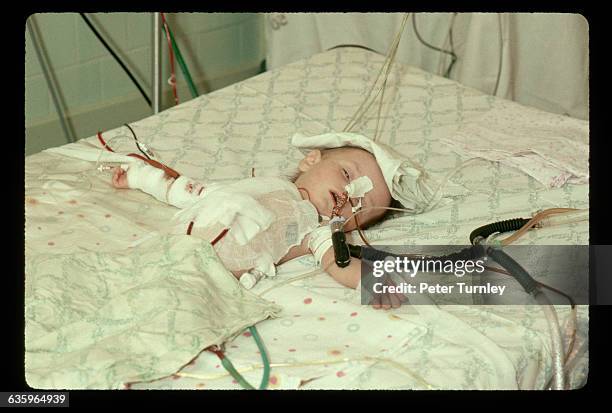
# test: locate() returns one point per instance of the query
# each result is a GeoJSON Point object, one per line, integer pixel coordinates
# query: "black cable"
{"type": "Point", "coordinates": [467, 254]}
{"type": "Point", "coordinates": [117, 59]}
{"type": "Point", "coordinates": [500, 226]}
{"type": "Point", "coordinates": [450, 53]}
{"type": "Point", "coordinates": [371, 254]}
{"type": "Point", "coordinates": [452, 46]}
{"type": "Point", "coordinates": [514, 268]}
{"type": "Point", "coordinates": [354, 45]}
{"type": "Point", "coordinates": [136, 139]}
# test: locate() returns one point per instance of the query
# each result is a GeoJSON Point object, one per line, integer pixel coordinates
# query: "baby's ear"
{"type": "Point", "coordinates": [309, 160]}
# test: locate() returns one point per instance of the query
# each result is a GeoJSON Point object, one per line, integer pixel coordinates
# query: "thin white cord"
{"type": "Point", "coordinates": [103, 149]}
{"type": "Point", "coordinates": [437, 196]}
{"type": "Point", "coordinates": [435, 199]}
{"type": "Point", "coordinates": [290, 280]}
{"type": "Point", "coordinates": [374, 360]}
{"type": "Point", "coordinates": [356, 118]}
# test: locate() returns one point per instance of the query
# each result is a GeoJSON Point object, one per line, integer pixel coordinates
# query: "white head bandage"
{"type": "Point", "coordinates": [406, 181]}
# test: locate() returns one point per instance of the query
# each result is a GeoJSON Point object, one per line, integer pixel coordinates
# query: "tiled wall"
{"type": "Point", "coordinates": [218, 48]}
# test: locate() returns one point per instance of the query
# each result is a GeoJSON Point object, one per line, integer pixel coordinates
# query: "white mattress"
{"type": "Point", "coordinates": [324, 338]}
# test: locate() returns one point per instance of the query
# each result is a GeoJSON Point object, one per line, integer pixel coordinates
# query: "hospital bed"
{"type": "Point", "coordinates": [319, 336]}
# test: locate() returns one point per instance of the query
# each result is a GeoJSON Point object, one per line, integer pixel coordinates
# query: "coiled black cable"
{"type": "Point", "coordinates": [501, 226]}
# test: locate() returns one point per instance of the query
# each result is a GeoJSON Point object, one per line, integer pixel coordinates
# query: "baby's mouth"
{"type": "Point", "coordinates": [339, 202]}
{"type": "Point", "coordinates": [334, 202]}
{"type": "Point", "coordinates": [334, 197]}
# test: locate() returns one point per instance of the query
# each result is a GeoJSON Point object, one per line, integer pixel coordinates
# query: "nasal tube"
{"type": "Point", "coordinates": [341, 249]}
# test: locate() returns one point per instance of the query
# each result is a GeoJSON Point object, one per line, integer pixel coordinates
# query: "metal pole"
{"type": "Point", "coordinates": [157, 68]}
{"type": "Point", "coordinates": [46, 68]}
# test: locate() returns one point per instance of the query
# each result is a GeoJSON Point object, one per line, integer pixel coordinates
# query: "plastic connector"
{"type": "Point", "coordinates": [341, 251]}
{"type": "Point", "coordinates": [146, 150]}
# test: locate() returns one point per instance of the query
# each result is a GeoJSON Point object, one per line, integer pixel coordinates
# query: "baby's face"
{"type": "Point", "coordinates": [325, 176]}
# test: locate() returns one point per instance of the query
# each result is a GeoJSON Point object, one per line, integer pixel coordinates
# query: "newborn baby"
{"type": "Point", "coordinates": [257, 223]}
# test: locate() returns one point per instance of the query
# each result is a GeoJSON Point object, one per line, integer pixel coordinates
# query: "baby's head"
{"type": "Point", "coordinates": [324, 174]}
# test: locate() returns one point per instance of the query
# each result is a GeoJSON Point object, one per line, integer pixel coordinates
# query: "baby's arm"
{"type": "Point", "coordinates": [180, 192]}
{"type": "Point", "coordinates": [348, 276]}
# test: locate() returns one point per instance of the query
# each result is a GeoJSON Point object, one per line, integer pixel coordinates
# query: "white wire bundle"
{"type": "Point", "coordinates": [386, 67]}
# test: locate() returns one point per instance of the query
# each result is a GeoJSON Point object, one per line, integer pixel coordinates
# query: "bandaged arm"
{"type": "Point", "coordinates": [180, 192]}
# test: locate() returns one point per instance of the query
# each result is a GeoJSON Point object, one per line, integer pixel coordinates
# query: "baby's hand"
{"type": "Point", "coordinates": [120, 178]}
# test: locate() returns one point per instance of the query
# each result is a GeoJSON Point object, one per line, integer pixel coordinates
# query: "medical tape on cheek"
{"type": "Point", "coordinates": [358, 188]}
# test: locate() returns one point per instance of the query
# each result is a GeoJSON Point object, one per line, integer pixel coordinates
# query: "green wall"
{"type": "Point", "coordinates": [218, 48]}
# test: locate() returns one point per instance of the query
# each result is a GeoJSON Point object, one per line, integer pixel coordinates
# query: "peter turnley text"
{"type": "Point", "coordinates": [423, 287]}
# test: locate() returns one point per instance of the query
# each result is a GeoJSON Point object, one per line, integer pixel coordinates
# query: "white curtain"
{"type": "Point", "coordinates": [543, 56]}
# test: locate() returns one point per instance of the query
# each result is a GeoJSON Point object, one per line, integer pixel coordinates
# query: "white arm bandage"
{"type": "Point", "coordinates": [148, 179]}
{"type": "Point", "coordinates": [181, 192]}
{"type": "Point", "coordinates": [319, 242]}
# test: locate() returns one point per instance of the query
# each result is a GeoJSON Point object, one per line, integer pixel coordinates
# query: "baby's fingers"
{"type": "Point", "coordinates": [396, 300]}
{"type": "Point", "coordinates": [119, 178]}
{"type": "Point", "coordinates": [381, 301]}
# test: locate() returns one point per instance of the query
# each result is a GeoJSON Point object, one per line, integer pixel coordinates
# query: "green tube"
{"type": "Point", "coordinates": [237, 376]}
{"type": "Point", "coordinates": [181, 62]}
{"type": "Point", "coordinates": [227, 364]}
{"type": "Point", "coordinates": [264, 357]}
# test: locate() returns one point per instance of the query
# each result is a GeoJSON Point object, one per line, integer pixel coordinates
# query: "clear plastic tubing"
{"type": "Point", "coordinates": [565, 218]}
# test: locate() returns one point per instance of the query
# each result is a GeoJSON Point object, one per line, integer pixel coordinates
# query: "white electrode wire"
{"type": "Point", "coordinates": [437, 195]}
{"type": "Point", "coordinates": [50, 81]}
{"type": "Point", "coordinates": [363, 109]}
{"type": "Point", "coordinates": [374, 360]}
{"type": "Point", "coordinates": [358, 113]}
{"type": "Point", "coordinates": [389, 66]}
{"type": "Point", "coordinates": [434, 199]}
{"type": "Point", "coordinates": [387, 69]}
{"type": "Point", "coordinates": [104, 150]}
{"type": "Point", "coordinates": [382, 98]}
{"type": "Point", "coordinates": [367, 102]}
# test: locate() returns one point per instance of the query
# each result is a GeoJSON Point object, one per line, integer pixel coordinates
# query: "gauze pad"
{"type": "Point", "coordinates": [358, 188]}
